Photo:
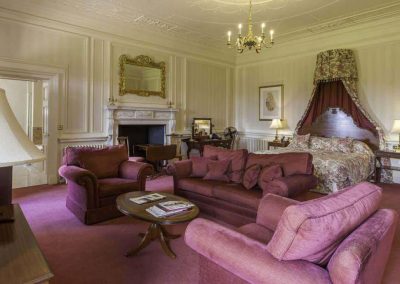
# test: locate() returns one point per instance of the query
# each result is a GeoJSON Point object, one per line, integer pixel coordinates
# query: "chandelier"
{"type": "Point", "coordinates": [250, 40]}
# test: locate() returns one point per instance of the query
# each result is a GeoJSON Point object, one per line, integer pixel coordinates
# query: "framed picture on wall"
{"type": "Point", "coordinates": [271, 102]}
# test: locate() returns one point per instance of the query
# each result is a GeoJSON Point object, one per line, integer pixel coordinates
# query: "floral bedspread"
{"type": "Point", "coordinates": [336, 170]}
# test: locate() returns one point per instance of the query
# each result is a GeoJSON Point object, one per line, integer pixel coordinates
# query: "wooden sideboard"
{"type": "Point", "coordinates": [199, 144]}
{"type": "Point", "coordinates": [21, 260]}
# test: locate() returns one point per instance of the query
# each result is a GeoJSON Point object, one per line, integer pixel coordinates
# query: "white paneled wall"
{"type": "Point", "coordinates": [89, 65]}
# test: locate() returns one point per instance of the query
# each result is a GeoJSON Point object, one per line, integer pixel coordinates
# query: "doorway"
{"type": "Point", "coordinates": [28, 99]}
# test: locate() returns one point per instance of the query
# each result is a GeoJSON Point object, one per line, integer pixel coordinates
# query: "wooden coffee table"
{"type": "Point", "coordinates": [156, 229]}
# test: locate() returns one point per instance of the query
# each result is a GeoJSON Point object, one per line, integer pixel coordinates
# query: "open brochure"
{"type": "Point", "coordinates": [147, 198]}
{"type": "Point", "coordinates": [169, 208]}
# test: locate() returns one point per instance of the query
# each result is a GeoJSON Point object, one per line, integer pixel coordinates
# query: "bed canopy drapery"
{"type": "Point", "coordinates": [335, 86]}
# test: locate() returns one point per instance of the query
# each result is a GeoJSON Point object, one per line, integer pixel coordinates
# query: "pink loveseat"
{"type": "Point", "coordinates": [229, 200]}
{"type": "Point", "coordinates": [340, 238]}
{"type": "Point", "coordinates": [95, 177]}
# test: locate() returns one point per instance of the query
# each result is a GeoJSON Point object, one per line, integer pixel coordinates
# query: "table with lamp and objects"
{"type": "Point", "coordinates": [23, 261]}
{"type": "Point", "coordinates": [388, 154]}
{"type": "Point", "coordinates": [277, 124]}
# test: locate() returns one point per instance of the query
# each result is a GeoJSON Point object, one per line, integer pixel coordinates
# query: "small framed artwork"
{"type": "Point", "coordinates": [271, 102]}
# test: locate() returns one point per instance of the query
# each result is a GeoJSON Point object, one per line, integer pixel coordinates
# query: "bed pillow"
{"type": "Point", "coordinates": [344, 145]}
{"type": "Point", "coordinates": [199, 165]}
{"type": "Point", "coordinates": [267, 174]}
{"type": "Point", "coordinates": [322, 143]}
{"type": "Point", "coordinates": [250, 176]}
{"type": "Point", "coordinates": [312, 230]}
{"type": "Point", "coordinates": [218, 170]}
{"type": "Point", "coordinates": [300, 142]}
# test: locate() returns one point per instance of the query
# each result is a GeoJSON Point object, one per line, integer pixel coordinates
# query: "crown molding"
{"type": "Point", "coordinates": [369, 33]}
{"type": "Point", "coordinates": [135, 36]}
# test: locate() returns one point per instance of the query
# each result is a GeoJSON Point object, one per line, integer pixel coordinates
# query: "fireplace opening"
{"type": "Point", "coordinates": [142, 134]}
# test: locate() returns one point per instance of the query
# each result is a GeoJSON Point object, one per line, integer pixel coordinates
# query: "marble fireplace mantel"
{"type": "Point", "coordinates": [130, 115]}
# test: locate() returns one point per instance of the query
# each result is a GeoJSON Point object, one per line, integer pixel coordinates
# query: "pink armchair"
{"type": "Point", "coordinates": [341, 238]}
{"type": "Point", "coordinates": [95, 178]}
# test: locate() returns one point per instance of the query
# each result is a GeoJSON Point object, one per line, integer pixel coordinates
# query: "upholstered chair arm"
{"type": "Point", "coordinates": [246, 258]}
{"type": "Point", "coordinates": [77, 175]}
{"type": "Point", "coordinates": [136, 171]}
{"type": "Point", "coordinates": [271, 209]}
{"type": "Point", "coordinates": [291, 186]}
{"type": "Point", "coordinates": [82, 185]}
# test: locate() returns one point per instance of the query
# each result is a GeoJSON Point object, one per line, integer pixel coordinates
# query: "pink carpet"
{"type": "Point", "coordinates": [95, 254]}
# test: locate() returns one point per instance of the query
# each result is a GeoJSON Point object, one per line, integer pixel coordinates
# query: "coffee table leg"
{"type": "Point", "coordinates": [152, 233]}
{"type": "Point", "coordinates": [165, 244]}
{"type": "Point", "coordinates": [155, 231]}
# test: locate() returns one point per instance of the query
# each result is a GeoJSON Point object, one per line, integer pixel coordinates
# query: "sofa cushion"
{"type": "Point", "coordinates": [292, 163]}
{"type": "Point", "coordinates": [238, 194]}
{"type": "Point", "coordinates": [267, 174]}
{"type": "Point", "coordinates": [116, 186]}
{"type": "Point", "coordinates": [250, 176]}
{"type": "Point", "coordinates": [312, 230]}
{"type": "Point", "coordinates": [218, 170]}
{"type": "Point", "coordinates": [256, 232]}
{"type": "Point", "coordinates": [237, 158]}
{"type": "Point", "coordinates": [199, 165]}
{"type": "Point", "coordinates": [198, 185]}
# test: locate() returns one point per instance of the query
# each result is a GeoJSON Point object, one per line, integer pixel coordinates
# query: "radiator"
{"type": "Point", "coordinates": [253, 144]}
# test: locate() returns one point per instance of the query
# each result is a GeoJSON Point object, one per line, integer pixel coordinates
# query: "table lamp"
{"type": "Point", "coordinates": [396, 130]}
{"type": "Point", "coordinates": [15, 148]}
{"type": "Point", "coordinates": [276, 124]}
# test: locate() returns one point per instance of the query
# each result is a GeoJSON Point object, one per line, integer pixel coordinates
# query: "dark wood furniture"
{"type": "Point", "coordinates": [159, 155]}
{"type": "Point", "coordinates": [156, 229]}
{"type": "Point", "coordinates": [277, 144]}
{"type": "Point", "coordinates": [336, 123]}
{"type": "Point", "coordinates": [379, 166]}
{"type": "Point", "coordinates": [21, 260]}
{"type": "Point", "coordinates": [199, 144]}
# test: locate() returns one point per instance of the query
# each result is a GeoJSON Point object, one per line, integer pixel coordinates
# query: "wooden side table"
{"type": "Point", "coordinates": [379, 154]}
{"type": "Point", "coordinates": [278, 144]}
{"type": "Point", "coordinates": [21, 258]}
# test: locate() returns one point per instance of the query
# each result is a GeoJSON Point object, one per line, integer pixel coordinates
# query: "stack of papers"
{"type": "Point", "coordinates": [147, 198]}
{"type": "Point", "coordinates": [170, 208]}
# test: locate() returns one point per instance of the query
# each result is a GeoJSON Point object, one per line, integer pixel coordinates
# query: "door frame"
{"type": "Point", "coordinates": [56, 76]}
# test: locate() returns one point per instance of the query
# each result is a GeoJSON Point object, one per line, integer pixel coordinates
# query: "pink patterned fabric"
{"type": "Point", "coordinates": [268, 174]}
{"type": "Point", "coordinates": [300, 141]}
{"type": "Point", "coordinates": [237, 158]}
{"type": "Point", "coordinates": [218, 170]}
{"type": "Point", "coordinates": [251, 176]}
{"type": "Point", "coordinates": [312, 230]}
{"type": "Point", "coordinates": [199, 165]}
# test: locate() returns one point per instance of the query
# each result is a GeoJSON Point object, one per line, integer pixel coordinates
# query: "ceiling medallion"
{"type": "Point", "coordinates": [250, 40]}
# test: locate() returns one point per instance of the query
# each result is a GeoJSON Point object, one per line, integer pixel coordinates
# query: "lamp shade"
{"type": "Point", "coordinates": [396, 126]}
{"type": "Point", "coordinates": [276, 123]}
{"type": "Point", "coordinates": [15, 146]}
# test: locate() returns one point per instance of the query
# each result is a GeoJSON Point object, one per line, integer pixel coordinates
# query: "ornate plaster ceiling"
{"type": "Point", "coordinates": [207, 21]}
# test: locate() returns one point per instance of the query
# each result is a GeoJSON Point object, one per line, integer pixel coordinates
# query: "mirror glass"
{"type": "Point", "coordinates": [142, 78]}
{"type": "Point", "coordinates": [202, 126]}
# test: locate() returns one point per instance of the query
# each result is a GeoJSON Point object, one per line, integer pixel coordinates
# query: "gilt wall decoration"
{"type": "Point", "coordinates": [271, 102]}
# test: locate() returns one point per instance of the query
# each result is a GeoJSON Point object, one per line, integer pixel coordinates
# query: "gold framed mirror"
{"type": "Point", "coordinates": [141, 76]}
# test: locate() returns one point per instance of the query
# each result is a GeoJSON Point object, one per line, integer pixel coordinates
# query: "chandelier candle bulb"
{"type": "Point", "coordinates": [229, 37]}
{"type": "Point", "coordinates": [240, 29]}
{"type": "Point", "coordinates": [262, 28]}
{"type": "Point", "coordinates": [271, 35]}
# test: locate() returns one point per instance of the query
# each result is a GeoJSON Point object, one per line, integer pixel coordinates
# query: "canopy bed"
{"type": "Point", "coordinates": [335, 128]}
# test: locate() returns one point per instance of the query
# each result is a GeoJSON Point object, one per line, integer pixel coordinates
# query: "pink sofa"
{"type": "Point", "coordinates": [231, 201]}
{"type": "Point", "coordinates": [95, 178]}
{"type": "Point", "coordinates": [339, 238]}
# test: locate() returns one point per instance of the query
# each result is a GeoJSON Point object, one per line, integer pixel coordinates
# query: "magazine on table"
{"type": "Point", "coordinates": [175, 205]}
{"type": "Point", "coordinates": [169, 208]}
{"type": "Point", "coordinates": [147, 198]}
